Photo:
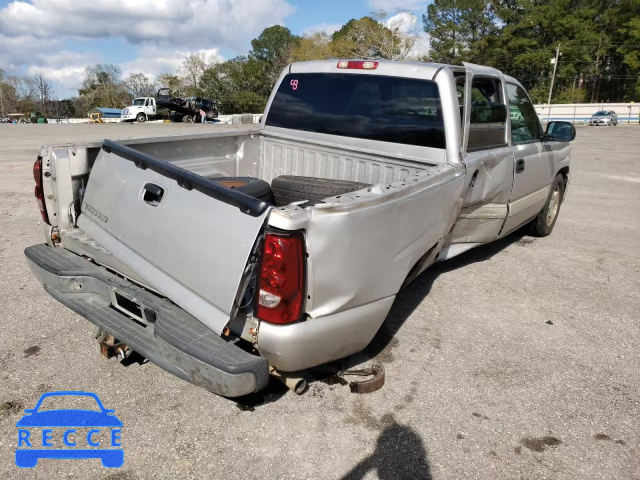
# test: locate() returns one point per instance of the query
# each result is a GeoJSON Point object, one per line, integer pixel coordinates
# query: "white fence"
{"type": "Point", "coordinates": [80, 120]}
{"type": "Point", "coordinates": [244, 118]}
{"type": "Point", "coordinates": [241, 118]}
{"type": "Point", "coordinates": [581, 112]}
{"type": "Point", "coordinates": [572, 112]}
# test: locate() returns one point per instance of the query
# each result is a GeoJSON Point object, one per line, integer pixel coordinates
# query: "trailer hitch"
{"type": "Point", "coordinates": [110, 346]}
{"type": "Point", "coordinates": [376, 372]}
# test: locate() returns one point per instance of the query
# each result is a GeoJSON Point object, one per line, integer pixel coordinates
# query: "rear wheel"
{"type": "Point", "coordinates": [141, 118]}
{"type": "Point", "coordinates": [187, 119]}
{"type": "Point", "coordinates": [543, 224]}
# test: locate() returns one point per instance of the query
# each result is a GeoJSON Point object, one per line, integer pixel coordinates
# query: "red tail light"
{"type": "Point", "coordinates": [281, 278]}
{"type": "Point", "coordinates": [39, 193]}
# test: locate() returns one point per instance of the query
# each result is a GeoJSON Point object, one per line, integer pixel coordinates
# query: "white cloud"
{"type": "Point", "coordinates": [153, 60]}
{"type": "Point", "coordinates": [33, 33]}
{"type": "Point", "coordinates": [393, 5]}
{"type": "Point", "coordinates": [192, 23]}
{"type": "Point", "coordinates": [328, 28]}
{"type": "Point", "coordinates": [407, 22]}
{"type": "Point", "coordinates": [26, 54]}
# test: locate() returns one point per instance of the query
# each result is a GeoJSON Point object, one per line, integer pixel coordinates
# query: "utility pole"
{"type": "Point", "coordinates": [553, 77]}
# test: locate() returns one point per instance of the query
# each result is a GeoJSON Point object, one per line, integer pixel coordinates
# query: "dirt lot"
{"type": "Point", "coordinates": [520, 359]}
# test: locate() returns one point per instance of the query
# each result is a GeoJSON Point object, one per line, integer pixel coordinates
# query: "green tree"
{"type": "Point", "coordinates": [364, 38]}
{"type": "Point", "coordinates": [313, 47]}
{"type": "Point", "coordinates": [191, 69]}
{"type": "Point", "coordinates": [460, 30]}
{"type": "Point", "coordinates": [139, 85]}
{"type": "Point", "coordinates": [170, 81]}
{"type": "Point", "coordinates": [238, 85]}
{"type": "Point", "coordinates": [273, 49]}
{"type": "Point", "coordinates": [103, 87]}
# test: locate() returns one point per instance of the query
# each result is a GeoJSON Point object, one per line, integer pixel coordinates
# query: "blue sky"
{"type": "Point", "coordinates": [59, 38]}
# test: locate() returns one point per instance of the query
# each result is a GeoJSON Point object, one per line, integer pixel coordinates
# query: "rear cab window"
{"type": "Point", "coordinates": [371, 107]}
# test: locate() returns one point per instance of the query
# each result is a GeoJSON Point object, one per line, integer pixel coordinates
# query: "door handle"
{"type": "Point", "coordinates": [152, 194]}
{"type": "Point", "coordinates": [520, 165]}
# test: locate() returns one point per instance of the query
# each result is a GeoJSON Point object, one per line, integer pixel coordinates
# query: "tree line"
{"type": "Point", "coordinates": [597, 41]}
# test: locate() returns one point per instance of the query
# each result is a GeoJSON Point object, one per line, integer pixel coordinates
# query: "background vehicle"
{"type": "Point", "coordinates": [604, 117]}
{"type": "Point", "coordinates": [181, 109]}
{"type": "Point", "coordinates": [283, 247]}
{"type": "Point", "coordinates": [95, 117]}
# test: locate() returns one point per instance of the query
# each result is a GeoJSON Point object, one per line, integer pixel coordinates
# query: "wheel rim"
{"type": "Point", "coordinates": [554, 205]}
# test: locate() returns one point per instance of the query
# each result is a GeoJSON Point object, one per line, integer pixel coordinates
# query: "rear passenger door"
{"type": "Point", "coordinates": [533, 161]}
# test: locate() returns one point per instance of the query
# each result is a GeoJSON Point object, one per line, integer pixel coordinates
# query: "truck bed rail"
{"type": "Point", "coordinates": [188, 180]}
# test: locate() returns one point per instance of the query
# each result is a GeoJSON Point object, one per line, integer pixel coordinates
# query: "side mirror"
{"type": "Point", "coordinates": [560, 131]}
{"type": "Point", "coordinates": [29, 411]}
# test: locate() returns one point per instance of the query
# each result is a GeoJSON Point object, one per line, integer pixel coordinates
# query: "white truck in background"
{"type": "Point", "coordinates": [228, 255]}
{"type": "Point", "coordinates": [180, 109]}
{"type": "Point", "coordinates": [141, 110]}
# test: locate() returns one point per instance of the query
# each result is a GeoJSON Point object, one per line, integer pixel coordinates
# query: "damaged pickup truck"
{"type": "Point", "coordinates": [226, 256]}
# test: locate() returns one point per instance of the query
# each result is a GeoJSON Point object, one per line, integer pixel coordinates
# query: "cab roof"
{"type": "Point", "coordinates": [387, 67]}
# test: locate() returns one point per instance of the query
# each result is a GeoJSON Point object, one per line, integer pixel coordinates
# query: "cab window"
{"type": "Point", "coordinates": [488, 117]}
{"type": "Point", "coordinates": [525, 126]}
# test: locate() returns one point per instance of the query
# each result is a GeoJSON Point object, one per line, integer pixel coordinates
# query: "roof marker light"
{"type": "Point", "coordinates": [358, 64]}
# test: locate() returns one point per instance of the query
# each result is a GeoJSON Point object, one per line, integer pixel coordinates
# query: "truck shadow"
{"type": "Point", "coordinates": [271, 393]}
{"type": "Point", "coordinates": [399, 453]}
{"type": "Point", "coordinates": [410, 297]}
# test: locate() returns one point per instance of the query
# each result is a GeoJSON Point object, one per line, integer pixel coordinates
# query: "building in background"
{"type": "Point", "coordinates": [107, 112]}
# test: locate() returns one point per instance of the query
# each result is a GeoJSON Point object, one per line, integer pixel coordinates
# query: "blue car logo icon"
{"type": "Point", "coordinates": [74, 428]}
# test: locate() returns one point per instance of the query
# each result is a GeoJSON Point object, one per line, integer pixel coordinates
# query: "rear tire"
{"type": "Point", "coordinates": [543, 224]}
{"type": "Point", "coordinates": [141, 118]}
{"type": "Point", "coordinates": [289, 188]}
{"type": "Point", "coordinates": [187, 119]}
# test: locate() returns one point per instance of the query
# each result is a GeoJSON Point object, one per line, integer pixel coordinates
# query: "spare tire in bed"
{"type": "Point", "coordinates": [290, 188]}
{"type": "Point", "coordinates": [254, 187]}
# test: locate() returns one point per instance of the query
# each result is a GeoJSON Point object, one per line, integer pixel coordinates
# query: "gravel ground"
{"type": "Point", "coordinates": [520, 359]}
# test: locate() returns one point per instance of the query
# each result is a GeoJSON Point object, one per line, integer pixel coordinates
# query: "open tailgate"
{"type": "Point", "coordinates": [189, 238]}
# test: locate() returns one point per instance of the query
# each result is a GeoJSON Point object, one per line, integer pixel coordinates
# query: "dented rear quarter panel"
{"type": "Point", "coordinates": [361, 246]}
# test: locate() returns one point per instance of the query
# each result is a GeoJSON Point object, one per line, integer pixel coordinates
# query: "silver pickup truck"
{"type": "Point", "coordinates": [224, 257]}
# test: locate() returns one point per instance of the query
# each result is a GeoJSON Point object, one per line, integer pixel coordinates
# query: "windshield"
{"type": "Point", "coordinates": [386, 109]}
{"type": "Point", "coordinates": [138, 102]}
{"type": "Point", "coordinates": [601, 113]}
{"type": "Point", "coordinates": [64, 402]}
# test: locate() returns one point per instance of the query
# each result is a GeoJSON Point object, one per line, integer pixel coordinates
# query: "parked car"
{"type": "Point", "coordinates": [604, 117]}
{"type": "Point", "coordinates": [225, 256]}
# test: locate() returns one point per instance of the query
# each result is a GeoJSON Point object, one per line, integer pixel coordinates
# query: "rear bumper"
{"type": "Point", "coordinates": [163, 333]}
